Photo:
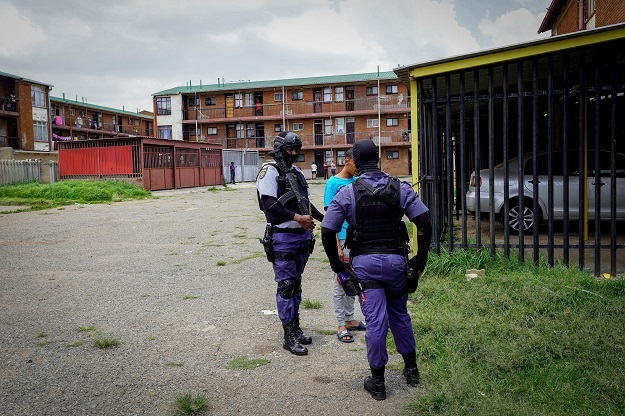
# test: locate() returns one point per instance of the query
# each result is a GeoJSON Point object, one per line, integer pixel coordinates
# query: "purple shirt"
{"type": "Point", "coordinates": [342, 207]}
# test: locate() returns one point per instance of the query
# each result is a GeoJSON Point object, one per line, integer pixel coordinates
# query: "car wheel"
{"type": "Point", "coordinates": [526, 219]}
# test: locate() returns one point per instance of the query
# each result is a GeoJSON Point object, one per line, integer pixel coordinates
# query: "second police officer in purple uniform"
{"type": "Point", "coordinates": [288, 239]}
{"type": "Point", "coordinates": [374, 206]}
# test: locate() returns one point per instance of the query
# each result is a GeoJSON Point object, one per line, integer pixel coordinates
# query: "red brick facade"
{"type": "Point", "coordinates": [607, 12]}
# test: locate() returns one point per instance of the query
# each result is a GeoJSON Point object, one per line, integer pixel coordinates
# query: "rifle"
{"type": "Point", "coordinates": [303, 202]}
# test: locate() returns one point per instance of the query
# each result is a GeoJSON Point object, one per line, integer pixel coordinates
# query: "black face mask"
{"type": "Point", "coordinates": [365, 156]}
{"type": "Point", "coordinates": [289, 158]}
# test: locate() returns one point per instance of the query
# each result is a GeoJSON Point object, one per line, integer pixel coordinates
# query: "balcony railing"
{"type": "Point", "coordinates": [308, 140]}
{"type": "Point", "coordinates": [6, 141]}
{"type": "Point", "coordinates": [82, 124]}
{"type": "Point", "coordinates": [292, 109]}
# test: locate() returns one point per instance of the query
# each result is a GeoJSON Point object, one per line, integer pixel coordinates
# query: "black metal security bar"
{"type": "Point", "coordinates": [528, 157]}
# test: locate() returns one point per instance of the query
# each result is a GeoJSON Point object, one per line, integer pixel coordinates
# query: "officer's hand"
{"type": "Point", "coordinates": [306, 221]}
{"type": "Point", "coordinates": [417, 263]}
{"type": "Point", "coordinates": [340, 266]}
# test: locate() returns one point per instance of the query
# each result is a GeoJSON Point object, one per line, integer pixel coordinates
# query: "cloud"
{"type": "Point", "coordinates": [513, 27]}
{"type": "Point", "coordinates": [22, 32]}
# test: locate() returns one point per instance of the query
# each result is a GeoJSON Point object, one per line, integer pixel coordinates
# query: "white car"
{"type": "Point", "coordinates": [528, 219]}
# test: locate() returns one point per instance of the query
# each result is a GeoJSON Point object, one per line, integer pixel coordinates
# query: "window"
{"type": "Point", "coordinates": [38, 96]}
{"type": "Point", "coordinates": [372, 122]}
{"type": "Point", "coordinates": [238, 100]}
{"type": "Point", "coordinates": [40, 129]}
{"type": "Point", "coordinates": [240, 130]}
{"type": "Point", "coordinates": [164, 132]}
{"type": "Point", "coordinates": [391, 89]}
{"type": "Point", "coordinates": [297, 95]}
{"type": "Point", "coordinates": [249, 99]}
{"type": "Point", "coordinates": [338, 93]}
{"type": "Point", "coordinates": [340, 157]}
{"type": "Point", "coordinates": [327, 94]}
{"type": "Point", "coordinates": [210, 101]}
{"type": "Point", "coordinates": [277, 127]}
{"type": "Point", "coordinates": [163, 105]}
{"type": "Point", "coordinates": [250, 130]}
{"type": "Point", "coordinates": [327, 126]}
{"type": "Point", "coordinates": [277, 96]}
{"type": "Point", "coordinates": [72, 112]}
{"type": "Point", "coordinates": [372, 90]}
{"type": "Point", "coordinates": [298, 126]}
{"type": "Point", "coordinates": [211, 130]}
{"type": "Point", "coordinates": [192, 131]}
{"type": "Point", "coordinates": [194, 102]}
{"type": "Point", "coordinates": [392, 122]}
{"type": "Point", "coordinates": [392, 154]}
{"type": "Point", "coordinates": [340, 125]}
{"type": "Point", "coordinates": [300, 158]}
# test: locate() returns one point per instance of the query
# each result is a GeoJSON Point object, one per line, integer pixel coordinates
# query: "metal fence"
{"type": "Point", "coordinates": [12, 171]}
{"type": "Point", "coordinates": [527, 156]}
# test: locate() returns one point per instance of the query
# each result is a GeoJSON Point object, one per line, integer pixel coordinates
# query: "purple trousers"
{"type": "Point", "coordinates": [296, 245]}
{"type": "Point", "coordinates": [381, 312]}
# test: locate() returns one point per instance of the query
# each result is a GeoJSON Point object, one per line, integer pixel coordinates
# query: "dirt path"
{"type": "Point", "coordinates": [181, 281]}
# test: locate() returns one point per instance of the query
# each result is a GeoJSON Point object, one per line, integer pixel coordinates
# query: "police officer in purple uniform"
{"type": "Point", "coordinates": [283, 197]}
{"type": "Point", "coordinates": [379, 250]}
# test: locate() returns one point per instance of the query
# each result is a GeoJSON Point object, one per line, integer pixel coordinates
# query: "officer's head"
{"type": "Point", "coordinates": [365, 156]}
{"type": "Point", "coordinates": [288, 146]}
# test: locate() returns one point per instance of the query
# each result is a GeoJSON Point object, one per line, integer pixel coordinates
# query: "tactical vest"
{"type": "Point", "coordinates": [379, 227]}
{"type": "Point", "coordinates": [286, 194]}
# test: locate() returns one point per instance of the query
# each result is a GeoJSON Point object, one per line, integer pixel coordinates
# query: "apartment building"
{"type": "Point", "coordinates": [78, 120]}
{"type": "Point", "coordinates": [566, 16]}
{"type": "Point", "coordinates": [330, 113]}
{"type": "Point", "coordinates": [24, 113]}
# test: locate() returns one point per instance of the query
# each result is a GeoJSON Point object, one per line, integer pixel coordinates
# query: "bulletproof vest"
{"type": "Point", "coordinates": [287, 196]}
{"type": "Point", "coordinates": [379, 227]}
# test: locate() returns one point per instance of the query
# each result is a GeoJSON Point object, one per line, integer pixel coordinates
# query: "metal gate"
{"type": "Point", "coordinates": [246, 162]}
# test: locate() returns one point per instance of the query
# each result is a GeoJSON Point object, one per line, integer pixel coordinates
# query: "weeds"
{"type": "Point", "coordinates": [102, 342]}
{"type": "Point", "coordinates": [311, 304]}
{"type": "Point", "coordinates": [190, 404]}
{"type": "Point", "coordinates": [242, 363]}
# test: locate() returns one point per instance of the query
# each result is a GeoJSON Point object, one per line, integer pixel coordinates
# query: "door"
{"type": "Point", "coordinates": [318, 132]}
{"type": "Point", "coordinates": [231, 134]}
{"type": "Point", "coordinates": [350, 130]}
{"type": "Point", "coordinates": [258, 104]}
{"type": "Point", "coordinates": [119, 124]}
{"type": "Point", "coordinates": [317, 97]}
{"type": "Point", "coordinates": [260, 135]}
{"type": "Point", "coordinates": [349, 98]}
{"type": "Point", "coordinates": [229, 105]}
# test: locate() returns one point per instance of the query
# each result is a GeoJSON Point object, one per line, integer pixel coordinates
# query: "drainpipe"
{"type": "Point", "coordinates": [379, 122]}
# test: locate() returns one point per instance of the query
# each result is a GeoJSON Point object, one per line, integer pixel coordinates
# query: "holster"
{"type": "Point", "coordinates": [267, 244]}
{"type": "Point", "coordinates": [349, 282]}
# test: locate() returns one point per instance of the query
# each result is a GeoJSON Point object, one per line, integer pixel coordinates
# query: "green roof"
{"type": "Point", "coordinates": [99, 107]}
{"type": "Point", "coordinates": [247, 85]}
{"type": "Point", "coordinates": [6, 74]}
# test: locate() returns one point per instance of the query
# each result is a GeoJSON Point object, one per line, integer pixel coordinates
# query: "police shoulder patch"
{"type": "Point", "coordinates": [263, 172]}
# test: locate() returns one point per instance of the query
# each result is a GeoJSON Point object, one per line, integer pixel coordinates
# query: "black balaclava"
{"type": "Point", "coordinates": [365, 156]}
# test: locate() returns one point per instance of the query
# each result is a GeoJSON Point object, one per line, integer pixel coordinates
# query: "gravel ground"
{"type": "Point", "coordinates": [151, 274]}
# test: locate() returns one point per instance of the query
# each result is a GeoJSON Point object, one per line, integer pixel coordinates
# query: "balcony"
{"type": "Point", "coordinates": [8, 104]}
{"type": "Point", "coordinates": [388, 104]}
{"type": "Point", "coordinates": [387, 138]}
{"type": "Point", "coordinates": [6, 141]}
{"type": "Point", "coordinates": [74, 123]}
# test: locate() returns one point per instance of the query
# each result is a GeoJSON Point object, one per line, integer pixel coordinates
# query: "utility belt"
{"type": "Point", "coordinates": [381, 249]}
{"type": "Point", "coordinates": [267, 243]}
{"type": "Point", "coordinates": [411, 285]}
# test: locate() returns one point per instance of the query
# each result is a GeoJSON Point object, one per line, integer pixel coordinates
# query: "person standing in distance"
{"type": "Point", "coordinates": [374, 206]}
{"type": "Point", "coordinates": [343, 304]}
{"type": "Point", "coordinates": [284, 198]}
{"type": "Point", "coordinates": [313, 170]}
{"type": "Point", "coordinates": [233, 171]}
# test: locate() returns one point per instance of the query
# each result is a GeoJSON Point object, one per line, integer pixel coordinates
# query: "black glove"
{"type": "Point", "coordinates": [417, 263]}
{"type": "Point", "coordinates": [340, 267]}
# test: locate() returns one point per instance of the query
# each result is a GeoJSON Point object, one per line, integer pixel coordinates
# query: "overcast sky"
{"type": "Point", "coordinates": [119, 52]}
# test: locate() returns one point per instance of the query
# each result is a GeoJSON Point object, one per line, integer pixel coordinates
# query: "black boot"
{"type": "Point", "coordinates": [303, 338]}
{"type": "Point", "coordinates": [374, 384]}
{"type": "Point", "coordinates": [411, 371]}
{"type": "Point", "coordinates": [291, 342]}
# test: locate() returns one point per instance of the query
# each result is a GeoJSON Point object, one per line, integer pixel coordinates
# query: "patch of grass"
{"type": "Point", "coordinates": [326, 331]}
{"type": "Point", "coordinates": [146, 295]}
{"type": "Point", "coordinates": [75, 344]}
{"type": "Point", "coordinates": [39, 196]}
{"type": "Point", "coordinates": [519, 340]}
{"type": "Point", "coordinates": [311, 304]}
{"type": "Point", "coordinates": [102, 342]}
{"type": "Point", "coordinates": [255, 255]}
{"type": "Point", "coordinates": [190, 297]}
{"type": "Point", "coordinates": [42, 335]}
{"type": "Point", "coordinates": [191, 404]}
{"type": "Point", "coordinates": [81, 328]}
{"type": "Point", "coordinates": [174, 364]}
{"type": "Point", "coordinates": [212, 245]}
{"type": "Point", "coordinates": [151, 338]}
{"type": "Point", "coordinates": [221, 263]}
{"type": "Point", "coordinates": [242, 363]}
{"type": "Point", "coordinates": [43, 343]}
